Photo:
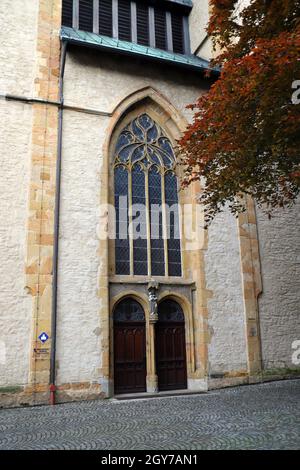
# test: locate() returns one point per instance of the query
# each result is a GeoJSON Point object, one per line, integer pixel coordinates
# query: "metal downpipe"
{"type": "Point", "coordinates": [52, 387]}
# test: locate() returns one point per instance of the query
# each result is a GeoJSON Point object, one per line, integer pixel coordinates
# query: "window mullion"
{"type": "Point", "coordinates": [96, 16]}
{"type": "Point", "coordinates": [148, 220]}
{"type": "Point", "coordinates": [151, 27]}
{"type": "Point", "coordinates": [76, 14]}
{"type": "Point", "coordinates": [164, 223]}
{"type": "Point", "coordinates": [169, 31]}
{"type": "Point", "coordinates": [133, 22]}
{"type": "Point", "coordinates": [186, 35]}
{"type": "Point", "coordinates": [115, 20]}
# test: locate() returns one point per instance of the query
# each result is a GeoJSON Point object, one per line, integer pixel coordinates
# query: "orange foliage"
{"type": "Point", "coordinates": [245, 135]}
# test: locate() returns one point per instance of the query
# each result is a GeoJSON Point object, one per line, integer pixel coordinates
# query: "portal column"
{"type": "Point", "coordinates": [152, 381]}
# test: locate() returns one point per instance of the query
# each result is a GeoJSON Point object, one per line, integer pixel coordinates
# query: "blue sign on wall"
{"type": "Point", "coordinates": [43, 337]}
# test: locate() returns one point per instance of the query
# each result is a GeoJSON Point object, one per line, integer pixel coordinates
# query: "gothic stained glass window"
{"type": "Point", "coordinates": [145, 175]}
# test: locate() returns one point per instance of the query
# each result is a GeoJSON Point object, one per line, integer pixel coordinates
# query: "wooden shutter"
{"type": "Point", "coordinates": [67, 13]}
{"type": "Point", "coordinates": [124, 20]}
{"type": "Point", "coordinates": [177, 33]}
{"type": "Point", "coordinates": [160, 29]}
{"type": "Point", "coordinates": [105, 17]}
{"type": "Point", "coordinates": [86, 15]}
{"type": "Point", "coordinates": [142, 14]}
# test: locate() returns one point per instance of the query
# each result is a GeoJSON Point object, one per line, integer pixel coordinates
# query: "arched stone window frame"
{"type": "Point", "coordinates": [144, 155]}
{"type": "Point", "coordinates": [162, 111]}
{"type": "Point", "coordinates": [172, 132]}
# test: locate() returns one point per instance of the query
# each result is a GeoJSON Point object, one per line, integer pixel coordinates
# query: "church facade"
{"type": "Point", "coordinates": [110, 283]}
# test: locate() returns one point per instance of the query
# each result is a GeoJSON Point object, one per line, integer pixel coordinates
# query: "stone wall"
{"type": "Point", "coordinates": [17, 56]}
{"type": "Point", "coordinates": [29, 57]}
{"type": "Point", "coordinates": [78, 339]}
{"type": "Point", "coordinates": [279, 303]}
{"type": "Point", "coordinates": [198, 22]}
{"type": "Point", "coordinates": [15, 304]}
{"type": "Point", "coordinates": [18, 37]}
{"type": "Point", "coordinates": [227, 348]}
{"type": "Point", "coordinates": [100, 81]}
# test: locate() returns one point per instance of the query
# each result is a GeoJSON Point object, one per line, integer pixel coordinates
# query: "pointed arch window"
{"type": "Point", "coordinates": [146, 202]}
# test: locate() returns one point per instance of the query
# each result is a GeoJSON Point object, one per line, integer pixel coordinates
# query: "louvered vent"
{"type": "Point", "coordinates": [142, 17]}
{"type": "Point", "coordinates": [177, 33]}
{"type": "Point", "coordinates": [86, 15]}
{"type": "Point", "coordinates": [67, 13]}
{"type": "Point", "coordinates": [105, 17]}
{"type": "Point", "coordinates": [160, 29]}
{"type": "Point", "coordinates": [124, 10]}
{"type": "Point", "coordinates": [143, 27]}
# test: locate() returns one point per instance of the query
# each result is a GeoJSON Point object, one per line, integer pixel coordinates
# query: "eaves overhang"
{"type": "Point", "coordinates": [92, 40]}
{"type": "Point", "coordinates": [187, 3]}
{"type": "Point", "coordinates": [182, 5]}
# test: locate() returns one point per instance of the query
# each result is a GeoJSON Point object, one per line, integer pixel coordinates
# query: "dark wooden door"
{"type": "Point", "coordinates": [129, 349]}
{"type": "Point", "coordinates": [170, 347]}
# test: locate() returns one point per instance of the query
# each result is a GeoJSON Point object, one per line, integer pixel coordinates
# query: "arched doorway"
{"type": "Point", "coordinates": [170, 347]}
{"type": "Point", "coordinates": [129, 347]}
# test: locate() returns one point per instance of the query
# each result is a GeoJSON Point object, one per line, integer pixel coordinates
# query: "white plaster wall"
{"type": "Point", "coordinates": [95, 80]}
{"type": "Point", "coordinates": [15, 303]}
{"type": "Point", "coordinates": [279, 304]}
{"type": "Point", "coordinates": [198, 21]}
{"type": "Point", "coordinates": [78, 343]}
{"type": "Point", "coordinates": [18, 20]}
{"type": "Point", "coordinates": [227, 348]}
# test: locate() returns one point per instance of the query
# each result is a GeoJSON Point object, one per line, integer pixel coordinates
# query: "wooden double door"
{"type": "Point", "coordinates": [130, 347]}
{"type": "Point", "coordinates": [170, 347]}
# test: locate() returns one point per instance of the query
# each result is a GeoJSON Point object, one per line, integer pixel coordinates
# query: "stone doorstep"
{"type": "Point", "coordinates": [146, 395]}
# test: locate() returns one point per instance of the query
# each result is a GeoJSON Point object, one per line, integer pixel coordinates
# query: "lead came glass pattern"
{"type": "Point", "coordinates": [140, 265]}
{"type": "Point", "coordinates": [122, 250]}
{"type": "Point", "coordinates": [144, 141]}
{"type": "Point", "coordinates": [157, 242]}
{"type": "Point", "coordinates": [173, 241]}
{"type": "Point", "coordinates": [144, 159]}
{"type": "Point", "coordinates": [170, 311]}
{"type": "Point", "coordinates": [129, 310]}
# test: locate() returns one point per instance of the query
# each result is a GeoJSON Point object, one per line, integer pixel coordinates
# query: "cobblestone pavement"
{"type": "Point", "coordinates": [265, 416]}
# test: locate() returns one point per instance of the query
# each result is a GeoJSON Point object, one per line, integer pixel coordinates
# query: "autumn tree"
{"type": "Point", "coordinates": [245, 134]}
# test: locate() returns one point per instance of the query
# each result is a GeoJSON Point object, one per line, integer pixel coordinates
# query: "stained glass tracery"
{"type": "Point", "coordinates": [145, 171]}
{"type": "Point", "coordinates": [170, 311]}
{"type": "Point", "coordinates": [143, 141]}
{"type": "Point", "coordinates": [129, 310]}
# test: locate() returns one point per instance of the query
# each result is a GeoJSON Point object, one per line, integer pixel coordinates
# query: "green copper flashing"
{"type": "Point", "coordinates": [87, 39]}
